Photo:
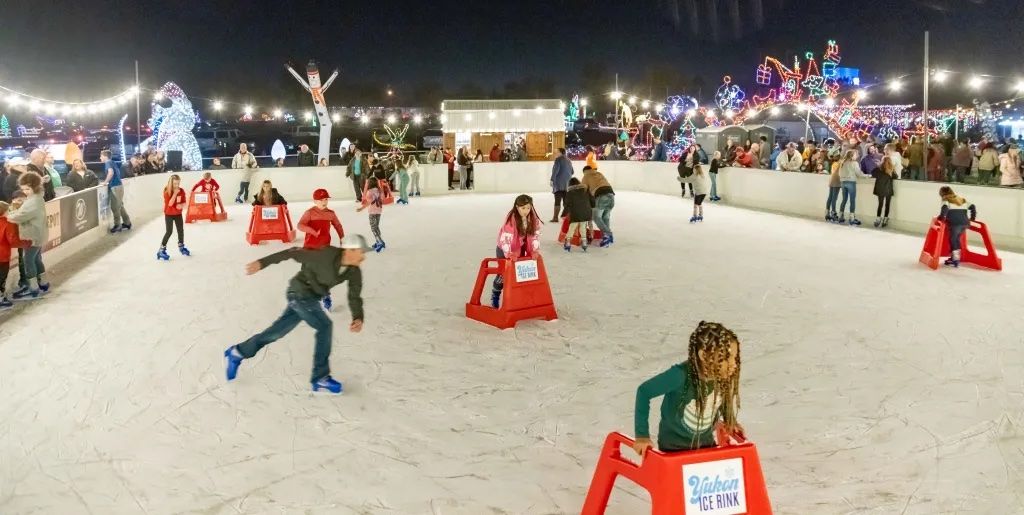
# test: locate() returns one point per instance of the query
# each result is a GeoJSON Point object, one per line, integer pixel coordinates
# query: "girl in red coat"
{"type": "Point", "coordinates": [519, 237]}
{"type": "Point", "coordinates": [9, 239]}
{"type": "Point", "coordinates": [174, 203]}
{"type": "Point", "coordinates": [317, 222]}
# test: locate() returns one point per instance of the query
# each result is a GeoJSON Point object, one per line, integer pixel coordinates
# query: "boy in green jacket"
{"type": "Point", "coordinates": [698, 393]}
{"type": "Point", "coordinates": [321, 270]}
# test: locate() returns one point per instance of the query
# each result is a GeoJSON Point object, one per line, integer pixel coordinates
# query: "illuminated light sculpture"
{"type": "Point", "coordinates": [814, 81]}
{"type": "Point", "coordinates": [172, 121]}
{"type": "Point", "coordinates": [729, 95]}
{"type": "Point", "coordinates": [573, 113]}
{"type": "Point", "coordinates": [120, 138]}
{"type": "Point", "coordinates": [316, 90]}
{"type": "Point", "coordinates": [5, 127]}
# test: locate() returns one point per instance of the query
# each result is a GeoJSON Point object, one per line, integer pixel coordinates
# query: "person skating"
{"type": "Point", "coordinates": [579, 207]}
{"type": "Point", "coordinates": [207, 184]}
{"type": "Point", "coordinates": [604, 201]}
{"type": "Point", "coordinates": [245, 161]}
{"type": "Point", "coordinates": [561, 171]}
{"type": "Point", "coordinates": [317, 222]}
{"type": "Point", "coordinates": [701, 395]}
{"type": "Point", "coordinates": [375, 204]}
{"type": "Point", "coordinates": [403, 182]}
{"type": "Point", "coordinates": [701, 186]}
{"type": "Point", "coordinates": [958, 214]}
{"type": "Point", "coordinates": [29, 212]}
{"type": "Point", "coordinates": [849, 172]}
{"type": "Point", "coordinates": [519, 237]}
{"type": "Point", "coordinates": [174, 204]}
{"type": "Point", "coordinates": [884, 177]}
{"type": "Point", "coordinates": [321, 270]}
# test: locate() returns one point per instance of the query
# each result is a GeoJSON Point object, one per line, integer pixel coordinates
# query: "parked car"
{"type": "Point", "coordinates": [222, 141]}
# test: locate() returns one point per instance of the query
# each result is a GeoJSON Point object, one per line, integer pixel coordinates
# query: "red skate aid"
{"type": "Point", "coordinates": [936, 246]}
{"type": "Point", "coordinates": [203, 206]}
{"type": "Point", "coordinates": [526, 293]}
{"type": "Point", "coordinates": [595, 234]}
{"type": "Point", "coordinates": [725, 480]}
{"type": "Point", "coordinates": [270, 223]}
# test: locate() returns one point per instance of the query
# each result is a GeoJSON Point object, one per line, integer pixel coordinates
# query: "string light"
{"type": "Point", "coordinates": [335, 117]}
{"type": "Point", "coordinates": [975, 82]}
{"type": "Point", "coordinates": [774, 111]}
{"type": "Point", "coordinates": [308, 115]}
{"type": "Point", "coordinates": [391, 118]}
{"type": "Point", "coordinates": [278, 113]}
{"type": "Point", "coordinates": [616, 95]}
{"type": "Point", "coordinates": [417, 119]}
{"type": "Point", "coordinates": [940, 76]}
{"type": "Point", "coordinates": [896, 85]}
{"type": "Point", "coordinates": [248, 110]}
{"type": "Point", "coordinates": [218, 105]}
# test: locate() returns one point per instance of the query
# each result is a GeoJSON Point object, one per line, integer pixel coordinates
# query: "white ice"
{"type": "Point", "coordinates": [870, 383]}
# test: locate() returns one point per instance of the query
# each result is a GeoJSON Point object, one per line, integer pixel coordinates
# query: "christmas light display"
{"type": "Point", "coordinates": [729, 95]}
{"type": "Point", "coordinates": [573, 113]}
{"type": "Point", "coordinates": [172, 121]}
{"type": "Point", "coordinates": [5, 127]}
{"type": "Point", "coordinates": [120, 138]}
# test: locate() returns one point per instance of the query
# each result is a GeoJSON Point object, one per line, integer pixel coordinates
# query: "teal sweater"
{"type": "Point", "coordinates": [679, 420]}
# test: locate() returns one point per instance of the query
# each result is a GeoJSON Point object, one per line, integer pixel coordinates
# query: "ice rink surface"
{"type": "Point", "coordinates": [870, 383]}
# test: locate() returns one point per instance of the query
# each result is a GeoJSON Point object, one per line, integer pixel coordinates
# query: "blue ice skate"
{"type": "Point", "coordinates": [327, 383]}
{"type": "Point", "coordinates": [232, 360]}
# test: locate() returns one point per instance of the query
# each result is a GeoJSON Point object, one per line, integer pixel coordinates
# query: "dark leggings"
{"type": "Point", "coordinates": [5, 268]}
{"type": "Point", "coordinates": [176, 220]}
{"type": "Point", "coordinates": [886, 201]}
{"type": "Point", "coordinates": [955, 232]}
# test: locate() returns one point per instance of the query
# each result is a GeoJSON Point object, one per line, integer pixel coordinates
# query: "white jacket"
{"type": "Point", "coordinates": [787, 163]}
{"type": "Point", "coordinates": [701, 183]}
{"type": "Point", "coordinates": [247, 163]}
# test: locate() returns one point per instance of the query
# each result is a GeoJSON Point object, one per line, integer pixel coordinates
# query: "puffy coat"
{"type": "Point", "coordinates": [1009, 169]}
{"type": "Point", "coordinates": [510, 241]}
{"type": "Point", "coordinates": [578, 204]}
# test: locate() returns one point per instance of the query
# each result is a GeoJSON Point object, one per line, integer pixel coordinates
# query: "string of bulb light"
{"type": "Point", "coordinates": [17, 99]}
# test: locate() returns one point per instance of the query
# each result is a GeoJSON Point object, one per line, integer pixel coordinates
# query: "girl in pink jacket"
{"type": "Point", "coordinates": [519, 237]}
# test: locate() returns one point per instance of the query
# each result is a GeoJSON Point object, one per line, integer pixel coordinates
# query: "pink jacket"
{"type": "Point", "coordinates": [510, 242]}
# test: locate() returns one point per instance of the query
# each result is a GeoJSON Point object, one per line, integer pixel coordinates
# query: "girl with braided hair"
{"type": "Point", "coordinates": [701, 395]}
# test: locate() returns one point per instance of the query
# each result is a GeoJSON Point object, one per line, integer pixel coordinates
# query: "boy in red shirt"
{"type": "Point", "coordinates": [9, 239]}
{"type": "Point", "coordinates": [208, 184]}
{"type": "Point", "coordinates": [316, 222]}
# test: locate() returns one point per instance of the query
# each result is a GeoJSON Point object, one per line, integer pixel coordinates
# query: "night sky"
{"type": "Point", "coordinates": [235, 50]}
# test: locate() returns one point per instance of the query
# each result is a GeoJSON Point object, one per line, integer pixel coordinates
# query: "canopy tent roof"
{"type": "Point", "coordinates": [545, 115]}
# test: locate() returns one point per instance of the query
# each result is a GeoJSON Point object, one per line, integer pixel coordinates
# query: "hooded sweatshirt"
{"type": "Point", "coordinates": [31, 220]}
{"type": "Point", "coordinates": [596, 183]}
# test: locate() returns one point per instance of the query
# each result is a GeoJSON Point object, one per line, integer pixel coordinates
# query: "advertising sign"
{"type": "Point", "coordinates": [715, 488]}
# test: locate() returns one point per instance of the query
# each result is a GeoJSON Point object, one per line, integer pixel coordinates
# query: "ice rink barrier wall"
{"type": "Point", "coordinates": [795, 194]}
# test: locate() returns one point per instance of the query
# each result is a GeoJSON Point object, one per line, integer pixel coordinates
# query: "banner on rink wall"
{"type": "Point", "coordinates": [71, 215]}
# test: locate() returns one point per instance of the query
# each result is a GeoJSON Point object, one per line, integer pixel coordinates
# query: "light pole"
{"type": "Point", "coordinates": [927, 79]}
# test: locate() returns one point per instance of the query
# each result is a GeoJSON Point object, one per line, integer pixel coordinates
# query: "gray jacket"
{"type": "Point", "coordinates": [701, 183]}
{"type": "Point", "coordinates": [561, 172]}
{"type": "Point", "coordinates": [31, 220]}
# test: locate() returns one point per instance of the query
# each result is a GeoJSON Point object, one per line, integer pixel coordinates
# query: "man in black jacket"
{"type": "Point", "coordinates": [306, 156]}
{"type": "Point", "coordinates": [321, 270]}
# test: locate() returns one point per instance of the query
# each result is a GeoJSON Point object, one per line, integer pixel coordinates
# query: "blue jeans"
{"type": "Point", "coordinates": [833, 197]}
{"type": "Point", "coordinates": [603, 206]}
{"type": "Point", "coordinates": [34, 263]}
{"type": "Point", "coordinates": [849, 193]}
{"type": "Point", "coordinates": [714, 185]}
{"type": "Point", "coordinates": [955, 231]}
{"type": "Point", "coordinates": [299, 309]}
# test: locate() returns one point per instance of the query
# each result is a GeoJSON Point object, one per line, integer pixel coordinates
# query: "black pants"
{"type": "Point", "coordinates": [886, 201]}
{"type": "Point", "coordinates": [243, 190]}
{"type": "Point", "coordinates": [177, 222]}
{"type": "Point", "coordinates": [357, 185]}
{"type": "Point", "coordinates": [559, 197]}
{"type": "Point", "coordinates": [5, 268]}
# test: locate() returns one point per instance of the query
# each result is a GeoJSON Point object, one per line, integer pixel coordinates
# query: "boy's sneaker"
{"type": "Point", "coordinates": [567, 246]}
{"type": "Point", "coordinates": [328, 303]}
{"type": "Point", "coordinates": [44, 287]}
{"type": "Point", "coordinates": [6, 303]}
{"type": "Point", "coordinates": [20, 292]}
{"type": "Point", "coordinates": [232, 360]}
{"type": "Point", "coordinates": [126, 227]}
{"type": "Point", "coordinates": [114, 230]}
{"type": "Point", "coordinates": [327, 383]}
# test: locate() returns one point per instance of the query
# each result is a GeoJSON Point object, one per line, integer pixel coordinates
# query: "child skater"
{"type": "Point", "coordinates": [414, 172]}
{"type": "Point", "coordinates": [580, 207]}
{"type": "Point", "coordinates": [30, 215]}
{"type": "Point", "coordinates": [701, 186]}
{"type": "Point", "coordinates": [9, 239]}
{"type": "Point", "coordinates": [375, 203]}
{"type": "Point", "coordinates": [174, 204]}
{"type": "Point", "coordinates": [207, 184]}
{"type": "Point", "coordinates": [958, 215]}
{"type": "Point", "coordinates": [519, 237]}
{"type": "Point", "coordinates": [403, 183]}
{"type": "Point", "coordinates": [700, 394]}
{"type": "Point", "coordinates": [316, 222]}
{"type": "Point", "coordinates": [321, 270]}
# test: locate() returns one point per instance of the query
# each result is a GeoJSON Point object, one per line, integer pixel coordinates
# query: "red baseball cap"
{"type": "Point", "coordinates": [321, 194]}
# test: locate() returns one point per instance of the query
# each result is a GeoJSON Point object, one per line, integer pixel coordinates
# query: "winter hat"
{"type": "Point", "coordinates": [354, 242]}
{"type": "Point", "coordinates": [321, 194]}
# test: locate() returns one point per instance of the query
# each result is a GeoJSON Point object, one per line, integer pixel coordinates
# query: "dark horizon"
{"type": "Point", "coordinates": [222, 51]}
